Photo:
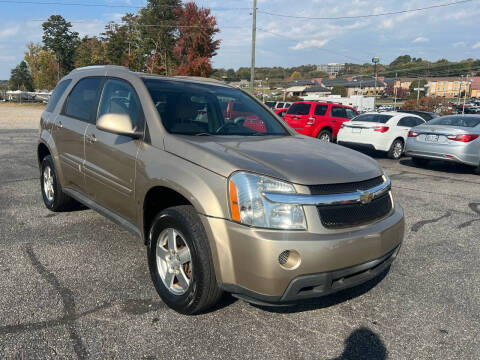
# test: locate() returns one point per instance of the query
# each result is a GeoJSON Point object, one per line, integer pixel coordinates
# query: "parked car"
{"type": "Point", "coordinates": [452, 138]}
{"type": "Point", "coordinates": [270, 104]}
{"type": "Point", "coordinates": [425, 115]}
{"type": "Point", "coordinates": [387, 131]}
{"type": "Point", "coordinates": [268, 215]}
{"type": "Point", "coordinates": [281, 112]}
{"type": "Point", "coordinates": [282, 105]}
{"type": "Point", "coordinates": [318, 119]}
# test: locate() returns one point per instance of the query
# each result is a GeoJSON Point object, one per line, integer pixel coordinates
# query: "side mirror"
{"type": "Point", "coordinates": [120, 124]}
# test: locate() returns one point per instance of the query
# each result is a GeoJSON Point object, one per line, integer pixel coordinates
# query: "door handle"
{"type": "Point", "coordinates": [91, 138]}
{"type": "Point", "coordinates": [333, 120]}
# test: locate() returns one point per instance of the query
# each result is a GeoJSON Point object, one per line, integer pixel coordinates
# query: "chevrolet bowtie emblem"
{"type": "Point", "coordinates": [365, 197]}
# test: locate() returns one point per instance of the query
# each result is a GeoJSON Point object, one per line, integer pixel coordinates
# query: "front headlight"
{"type": "Point", "coordinates": [248, 206]}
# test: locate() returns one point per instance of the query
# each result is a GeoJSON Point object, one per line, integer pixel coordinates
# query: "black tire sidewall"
{"type": "Point", "coordinates": [52, 205]}
{"type": "Point", "coordinates": [184, 303]}
{"type": "Point", "coordinates": [330, 136]}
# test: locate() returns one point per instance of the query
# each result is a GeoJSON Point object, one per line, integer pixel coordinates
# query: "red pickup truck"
{"type": "Point", "coordinates": [319, 119]}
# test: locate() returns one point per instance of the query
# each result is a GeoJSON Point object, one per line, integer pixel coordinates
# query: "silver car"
{"type": "Point", "coordinates": [454, 138]}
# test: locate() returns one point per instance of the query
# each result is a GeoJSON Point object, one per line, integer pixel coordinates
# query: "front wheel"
{"type": "Point", "coordinates": [325, 135]}
{"type": "Point", "coordinates": [396, 150]}
{"type": "Point", "coordinates": [180, 261]}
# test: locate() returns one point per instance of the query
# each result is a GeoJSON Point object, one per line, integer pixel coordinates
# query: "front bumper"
{"type": "Point", "coordinates": [247, 259]}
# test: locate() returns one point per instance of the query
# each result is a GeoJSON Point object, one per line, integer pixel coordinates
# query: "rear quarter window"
{"type": "Point", "coordinates": [299, 109]}
{"type": "Point", "coordinates": [57, 94]}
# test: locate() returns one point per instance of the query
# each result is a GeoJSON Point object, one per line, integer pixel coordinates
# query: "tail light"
{"type": "Point", "coordinates": [382, 129]}
{"type": "Point", "coordinates": [412, 134]}
{"type": "Point", "coordinates": [463, 137]}
{"type": "Point", "coordinates": [311, 121]}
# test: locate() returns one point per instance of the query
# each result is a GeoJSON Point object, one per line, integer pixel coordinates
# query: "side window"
{"type": "Point", "coordinates": [57, 94]}
{"type": "Point", "coordinates": [351, 113]}
{"type": "Point", "coordinates": [339, 112]}
{"type": "Point", "coordinates": [419, 122]}
{"type": "Point", "coordinates": [82, 103]}
{"type": "Point", "coordinates": [404, 122]}
{"type": "Point", "coordinates": [119, 97]}
{"type": "Point", "coordinates": [321, 109]}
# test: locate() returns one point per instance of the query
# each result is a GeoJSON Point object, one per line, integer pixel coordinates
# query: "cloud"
{"type": "Point", "coordinates": [420, 39]}
{"type": "Point", "coordinates": [459, 44]}
{"type": "Point", "coordinates": [9, 31]}
{"type": "Point", "coordinates": [310, 44]}
{"type": "Point", "coordinates": [476, 46]}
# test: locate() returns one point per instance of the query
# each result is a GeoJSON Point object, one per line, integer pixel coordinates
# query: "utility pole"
{"type": "Point", "coordinates": [465, 96]}
{"type": "Point", "coordinates": [460, 90]}
{"type": "Point", "coordinates": [375, 61]}
{"type": "Point", "coordinates": [418, 91]}
{"type": "Point", "coordinates": [254, 35]}
{"type": "Point", "coordinates": [395, 90]}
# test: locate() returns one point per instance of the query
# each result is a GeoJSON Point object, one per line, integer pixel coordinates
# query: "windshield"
{"type": "Point", "coordinates": [189, 108]}
{"type": "Point", "coordinates": [462, 121]}
{"type": "Point", "coordinates": [376, 118]}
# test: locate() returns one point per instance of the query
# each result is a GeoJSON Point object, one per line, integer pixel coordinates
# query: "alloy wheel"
{"type": "Point", "coordinates": [397, 150]}
{"type": "Point", "coordinates": [174, 263]}
{"type": "Point", "coordinates": [48, 188]}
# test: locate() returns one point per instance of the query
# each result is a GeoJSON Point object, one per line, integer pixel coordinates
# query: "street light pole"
{"type": "Point", "coordinates": [254, 35]}
{"type": "Point", "coordinates": [465, 96]}
{"type": "Point", "coordinates": [395, 90]}
{"type": "Point", "coordinates": [375, 61]}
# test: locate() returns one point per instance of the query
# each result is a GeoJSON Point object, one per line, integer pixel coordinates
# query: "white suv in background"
{"type": "Point", "coordinates": [386, 131]}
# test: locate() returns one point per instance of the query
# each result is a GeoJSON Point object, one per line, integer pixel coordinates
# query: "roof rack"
{"type": "Point", "coordinates": [118, 67]}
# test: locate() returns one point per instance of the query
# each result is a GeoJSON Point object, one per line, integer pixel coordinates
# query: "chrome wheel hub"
{"type": "Point", "coordinates": [48, 183]}
{"type": "Point", "coordinates": [174, 263]}
{"type": "Point", "coordinates": [397, 150]}
{"type": "Point", "coordinates": [325, 137]}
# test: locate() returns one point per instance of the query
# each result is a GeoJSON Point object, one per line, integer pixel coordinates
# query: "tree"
{"type": "Point", "coordinates": [20, 78]}
{"type": "Point", "coordinates": [418, 84]}
{"type": "Point", "coordinates": [157, 23]}
{"type": "Point", "coordinates": [195, 45]}
{"type": "Point", "coordinates": [58, 38]}
{"type": "Point", "coordinates": [296, 75]}
{"type": "Point", "coordinates": [427, 103]}
{"type": "Point", "coordinates": [339, 90]}
{"type": "Point", "coordinates": [42, 65]}
{"type": "Point", "coordinates": [91, 51]}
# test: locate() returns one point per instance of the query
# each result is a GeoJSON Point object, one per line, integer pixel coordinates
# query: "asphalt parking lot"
{"type": "Point", "coordinates": [75, 285]}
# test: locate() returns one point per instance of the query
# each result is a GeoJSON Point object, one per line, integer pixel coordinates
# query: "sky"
{"type": "Point", "coordinates": [448, 32]}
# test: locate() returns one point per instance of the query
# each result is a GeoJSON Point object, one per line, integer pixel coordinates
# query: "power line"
{"type": "Point", "coordinates": [365, 15]}
{"type": "Point", "coordinates": [125, 6]}
{"type": "Point", "coordinates": [321, 49]}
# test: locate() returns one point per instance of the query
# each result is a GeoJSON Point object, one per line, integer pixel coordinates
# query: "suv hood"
{"type": "Point", "coordinates": [298, 159]}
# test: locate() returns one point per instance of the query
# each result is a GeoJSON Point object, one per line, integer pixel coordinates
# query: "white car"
{"type": "Point", "coordinates": [386, 131]}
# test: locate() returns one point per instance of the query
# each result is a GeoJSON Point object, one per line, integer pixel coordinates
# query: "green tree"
{"type": "Point", "coordinates": [42, 65]}
{"type": "Point", "coordinates": [418, 84]}
{"type": "Point", "coordinates": [20, 78]}
{"type": "Point", "coordinates": [158, 28]}
{"type": "Point", "coordinates": [339, 90]}
{"type": "Point", "coordinates": [91, 51]}
{"type": "Point", "coordinates": [58, 37]}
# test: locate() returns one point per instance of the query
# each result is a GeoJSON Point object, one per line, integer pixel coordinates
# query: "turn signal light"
{"type": "Point", "coordinates": [382, 129]}
{"type": "Point", "coordinates": [413, 134]}
{"type": "Point", "coordinates": [232, 193]}
{"type": "Point", "coordinates": [463, 137]}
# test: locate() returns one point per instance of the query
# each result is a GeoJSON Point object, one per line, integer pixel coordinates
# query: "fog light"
{"type": "Point", "coordinates": [289, 259]}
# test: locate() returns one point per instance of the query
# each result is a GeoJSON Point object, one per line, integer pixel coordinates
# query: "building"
{"type": "Point", "coordinates": [448, 87]}
{"type": "Point", "coordinates": [364, 86]}
{"type": "Point", "coordinates": [331, 69]}
{"type": "Point", "coordinates": [475, 87]}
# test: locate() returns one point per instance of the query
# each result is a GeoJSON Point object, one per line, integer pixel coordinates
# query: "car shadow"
{"type": "Point", "coordinates": [363, 343]}
{"type": "Point", "coordinates": [329, 300]}
{"type": "Point", "coordinates": [438, 165]}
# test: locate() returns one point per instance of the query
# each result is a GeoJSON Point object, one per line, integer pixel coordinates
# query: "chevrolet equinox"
{"type": "Point", "coordinates": [225, 200]}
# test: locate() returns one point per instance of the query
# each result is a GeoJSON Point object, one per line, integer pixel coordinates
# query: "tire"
{"type": "Point", "coordinates": [325, 135]}
{"type": "Point", "coordinates": [53, 196]}
{"type": "Point", "coordinates": [193, 286]}
{"type": "Point", "coordinates": [396, 150]}
{"type": "Point", "coordinates": [419, 161]}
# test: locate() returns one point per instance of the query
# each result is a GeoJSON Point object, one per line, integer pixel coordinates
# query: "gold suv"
{"type": "Point", "coordinates": [224, 194]}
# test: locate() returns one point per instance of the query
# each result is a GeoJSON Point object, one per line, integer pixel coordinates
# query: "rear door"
{"type": "Point", "coordinates": [79, 109]}
{"type": "Point", "coordinates": [297, 115]}
{"type": "Point", "coordinates": [110, 158]}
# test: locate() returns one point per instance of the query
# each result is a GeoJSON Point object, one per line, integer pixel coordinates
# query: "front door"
{"type": "Point", "coordinates": [110, 159]}
{"type": "Point", "coordinates": [79, 110]}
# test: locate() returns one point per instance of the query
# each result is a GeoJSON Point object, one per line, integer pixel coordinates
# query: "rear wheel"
{"type": "Point", "coordinates": [419, 161]}
{"type": "Point", "coordinates": [180, 261]}
{"type": "Point", "coordinates": [325, 135]}
{"type": "Point", "coordinates": [396, 150]}
{"type": "Point", "coordinates": [53, 196]}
